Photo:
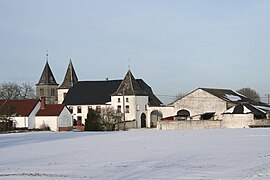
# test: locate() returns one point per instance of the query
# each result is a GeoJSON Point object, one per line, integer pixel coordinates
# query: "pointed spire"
{"type": "Point", "coordinates": [47, 77]}
{"type": "Point", "coordinates": [129, 86]}
{"type": "Point", "coordinates": [70, 78]}
{"type": "Point", "coordinates": [47, 56]}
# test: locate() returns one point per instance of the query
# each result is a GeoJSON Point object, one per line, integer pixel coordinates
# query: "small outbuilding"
{"type": "Point", "coordinates": [55, 117]}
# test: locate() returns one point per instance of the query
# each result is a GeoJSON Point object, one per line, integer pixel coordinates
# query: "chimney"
{"type": "Point", "coordinates": [43, 102]}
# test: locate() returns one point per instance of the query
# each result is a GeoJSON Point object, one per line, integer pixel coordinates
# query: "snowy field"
{"type": "Point", "coordinates": [137, 154]}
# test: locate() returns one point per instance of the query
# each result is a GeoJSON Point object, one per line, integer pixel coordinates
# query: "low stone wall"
{"type": "Point", "coordinates": [128, 125]}
{"type": "Point", "coordinates": [237, 120]}
{"type": "Point", "coordinates": [185, 125]}
{"type": "Point", "coordinates": [260, 123]}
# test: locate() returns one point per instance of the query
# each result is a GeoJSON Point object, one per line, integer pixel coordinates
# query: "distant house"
{"type": "Point", "coordinates": [229, 108]}
{"type": "Point", "coordinates": [55, 116]}
{"type": "Point", "coordinates": [24, 111]}
{"type": "Point", "coordinates": [32, 114]}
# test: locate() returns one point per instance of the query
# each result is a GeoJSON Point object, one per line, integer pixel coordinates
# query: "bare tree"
{"type": "Point", "coordinates": [12, 90]}
{"type": "Point", "coordinates": [109, 118]}
{"type": "Point", "coordinates": [27, 91]}
{"type": "Point", "coordinates": [250, 93]}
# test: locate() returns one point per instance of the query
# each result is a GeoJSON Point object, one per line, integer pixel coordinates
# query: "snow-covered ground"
{"type": "Point", "coordinates": [139, 154]}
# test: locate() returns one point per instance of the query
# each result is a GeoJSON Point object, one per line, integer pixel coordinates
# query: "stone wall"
{"type": "Point", "coordinates": [237, 120]}
{"type": "Point", "coordinates": [128, 125]}
{"type": "Point", "coordinates": [200, 102]}
{"type": "Point", "coordinates": [184, 125]}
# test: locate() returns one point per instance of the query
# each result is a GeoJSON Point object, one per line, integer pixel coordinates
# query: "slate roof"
{"type": "Point", "coordinates": [129, 86]}
{"type": "Point", "coordinates": [70, 78]}
{"type": "Point", "coordinates": [99, 92]}
{"type": "Point", "coordinates": [51, 110]}
{"type": "Point", "coordinates": [229, 95]}
{"type": "Point", "coordinates": [245, 108]}
{"type": "Point", "coordinates": [22, 107]}
{"type": "Point", "coordinates": [47, 77]}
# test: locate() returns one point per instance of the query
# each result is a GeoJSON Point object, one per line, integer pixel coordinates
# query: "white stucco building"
{"type": "Point", "coordinates": [24, 112]}
{"type": "Point", "coordinates": [33, 113]}
{"type": "Point", "coordinates": [55, 116]}
{"type": "Point", "coordinates": [131, 97]}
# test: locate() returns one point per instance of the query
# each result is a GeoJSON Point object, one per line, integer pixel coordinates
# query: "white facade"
{"type": "Point", "coordinates": [27, 121]}
{"type": "Point", "coordinates": [54, 122]}
{"type": "Point", "coordinates": [77, 113]}
{"type": "Point", "coordinates": [133, 106]}
{"type": "Point", "coordinates": [61, 95]}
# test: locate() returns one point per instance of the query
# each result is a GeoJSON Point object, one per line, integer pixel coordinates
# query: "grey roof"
{"type": "Point", "coordinates": [246, 108]}
{"type": "Point", "coordinates": [129, 86]}
{"type": "Point", "coordinates": [70, 78]}
{"type": "Point", "coordinates": [229, 95]}
{"type": "Point", "coordinates": [47, 77]}
{"type": "Point", "coordinates": [100, 92]}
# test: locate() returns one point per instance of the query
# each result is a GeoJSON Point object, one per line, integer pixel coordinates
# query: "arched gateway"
{"type": "Point", "coordinates": [143, 120]}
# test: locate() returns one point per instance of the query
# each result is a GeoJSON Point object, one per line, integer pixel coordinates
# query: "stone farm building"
{"type": "Point", "coordinates": [214, 108]}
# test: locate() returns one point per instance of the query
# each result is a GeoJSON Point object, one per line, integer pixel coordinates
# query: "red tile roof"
{"type": "Point", "coordinates": [51, 110]}
{"type": "Point", "coordinates": [22, 107]}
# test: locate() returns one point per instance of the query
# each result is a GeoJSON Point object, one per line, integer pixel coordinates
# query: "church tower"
{"type": "Point", "coordinates": [47, 85]}
{"type": "Point", "coordinates": [131, 100]}
{"type": "Point", "coordinates": [69, 80]}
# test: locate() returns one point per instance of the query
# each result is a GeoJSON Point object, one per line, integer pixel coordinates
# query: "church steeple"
{"type": "Point", "coordinates": [47, 77]}
{"type": "Point", "coordinates": [70, 77]}
{"type": "Point", "coordinates": [47, 85]}
{"type": "Point", "coordinates": [129, 86]}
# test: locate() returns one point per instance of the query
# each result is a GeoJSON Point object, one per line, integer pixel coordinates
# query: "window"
{"type": "Point", "coordinates": [65, 94]}
{"type": "Point", "coordinates": [119, 99]}
{"type": "Point", "coordinates": [79, 120]}
{"type": "Point", "coordinates": [89, 108]}
{"type": "Point", "coordinates": [41, 91]}
{"type": "Point", "coordinates": [71, 109]}
{"type": "Point", "coordinates": [98, 109]}
{"type": "Point", "coordinates": [118, 109]}
{"type": "Point", "coordinates": [138, 107]}
{"type": "Point", "coordinates": [79, 109]}
{"type": "Point", "coordinates": [52, 92]}
{"type": "Point", "coordinates": [127, 109]}
{"type": "Point", "coordinates": [126, 99]}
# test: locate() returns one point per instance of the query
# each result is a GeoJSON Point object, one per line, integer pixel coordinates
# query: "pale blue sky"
{"type": "Point", "coordinates": [174, 45]}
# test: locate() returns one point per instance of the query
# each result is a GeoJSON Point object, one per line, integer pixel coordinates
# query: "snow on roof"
{"type": "Point", "coordinates": [232, 98]}
{"type": "Point", "coordinates": [263, 108]}
{"type": "Point", "coordinates": [230, 111]}
{"type": "Point", "coordinates": [246, 110]}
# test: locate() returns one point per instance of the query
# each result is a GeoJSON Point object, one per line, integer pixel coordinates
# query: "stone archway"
{"type": "Point", "coordinates": [143, 120]}
{"type": "Point", "coordinates": [183, 114]}
{"type": "Point", "coordinates": [155, 116]}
